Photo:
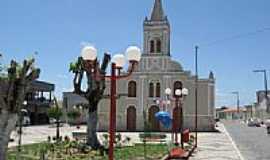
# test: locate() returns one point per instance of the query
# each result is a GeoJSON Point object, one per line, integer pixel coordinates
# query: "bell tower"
{"type": "Point", "coordinates": [157, 32]}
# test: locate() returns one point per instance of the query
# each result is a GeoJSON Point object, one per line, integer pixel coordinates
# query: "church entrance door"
{"type": "Point", "coordinates": [131, 118]}
{"type": "Point", "coordinates": [153, 122]}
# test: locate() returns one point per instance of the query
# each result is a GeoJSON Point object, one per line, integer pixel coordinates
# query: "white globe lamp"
{"type": "Point", "coordinates": [184, 92]}
{"type": "Point", "coordinates": [133, 54]}
{"type": "Point", "coordinates": [168, 91]}
{"type": "Point", "coordinates": [119, 60]}
{"type": "Point", "coordinates": [178, 92]}
{"type": "Point", "coordinates": [89, 53]}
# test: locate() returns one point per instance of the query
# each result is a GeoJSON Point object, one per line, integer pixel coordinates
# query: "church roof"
{"type": "Point", "coordinates": [157, 12]}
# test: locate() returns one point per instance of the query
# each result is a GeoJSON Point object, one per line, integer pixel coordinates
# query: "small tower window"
{"type": "Point", "coordinates": [158, 90]}
{"type": "Point", "coordinates": [151, 90]}
{"type": "Point", "coordinates": [152, 46]}
{"type": "Point", "coordinates": [158, 46]}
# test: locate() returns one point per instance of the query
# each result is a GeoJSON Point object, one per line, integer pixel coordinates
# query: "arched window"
{"type": "Point", "coordinates": [158, 90]}
{"type": "Point", "coordinates": [152, 46]}
{"type": "Point", "coordinates": [151, 90]}
{"type": "Point", "coordinates": [132, 89]}
{"type": "Point", "coordinates": [158, 49]}
{"type": "Point", "coordinates": [177, 85]}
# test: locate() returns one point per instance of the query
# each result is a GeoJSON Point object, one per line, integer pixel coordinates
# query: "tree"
{"type": "Point", "coordinates": [14, 84]}
{"type": "Point", "coordinates": [73, 114]}
{"type": "Point", "coordinates": [56, 113]}
{"type": "Point", "coordinates": [94, 92]}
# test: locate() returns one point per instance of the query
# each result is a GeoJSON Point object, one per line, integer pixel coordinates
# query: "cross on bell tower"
{"type": "Point", "coordinates": [157, 32]}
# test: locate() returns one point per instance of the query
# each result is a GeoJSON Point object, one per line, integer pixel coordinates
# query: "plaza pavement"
{"type": "Point", "coordinates": [216, 146]}
{"type": "Point", "coordinates": [211, 145]}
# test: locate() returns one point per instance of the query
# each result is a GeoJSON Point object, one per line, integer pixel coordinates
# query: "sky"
{"type": "Point", "coordinates": [233, 37]}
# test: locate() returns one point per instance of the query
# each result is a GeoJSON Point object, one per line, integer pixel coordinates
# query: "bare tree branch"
{"type": "Point", "coordinates": [11, 83]}
{"type": "Point", "coordinates": [34, 74]}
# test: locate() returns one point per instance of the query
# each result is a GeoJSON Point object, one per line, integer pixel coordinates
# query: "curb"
{"type": "Point", "coordinates": [233, 143]}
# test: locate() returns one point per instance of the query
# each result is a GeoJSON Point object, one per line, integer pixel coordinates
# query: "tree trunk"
{"type": "Point", "coordinates": [92, 121]}
{"type": "Point", "coordinates": [7, 124]}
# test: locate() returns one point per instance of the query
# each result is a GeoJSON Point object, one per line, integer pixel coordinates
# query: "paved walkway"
{"type": "Point", "coordinates": [216, 146]}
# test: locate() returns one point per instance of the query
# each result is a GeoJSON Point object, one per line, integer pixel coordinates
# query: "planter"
{"type": "Point", "coordinates": [153, 136]}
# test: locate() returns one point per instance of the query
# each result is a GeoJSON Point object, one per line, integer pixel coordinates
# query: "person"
{"type": "Point", "coordinates": [267, 124]}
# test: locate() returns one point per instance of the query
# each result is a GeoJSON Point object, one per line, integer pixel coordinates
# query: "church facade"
{"type": "Point", "coordinates": [155, 72]}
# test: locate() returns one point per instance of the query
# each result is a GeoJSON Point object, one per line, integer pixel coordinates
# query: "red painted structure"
{"type": "Point", "coordinates": [112, 127]}
{"type": "Point", "coordinates": [113, 111]}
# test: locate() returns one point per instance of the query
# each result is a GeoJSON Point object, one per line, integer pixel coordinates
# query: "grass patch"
{"type": "Point", "coordinates": [33, 152]}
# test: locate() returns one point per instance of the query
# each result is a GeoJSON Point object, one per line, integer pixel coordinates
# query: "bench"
{"type": "Point", "coordinates": [80, 136]}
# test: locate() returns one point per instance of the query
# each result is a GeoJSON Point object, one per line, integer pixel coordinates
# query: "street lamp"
{"type": "Point", "coordinates": [265, 86]}
{"type": "Point", "coordinates": [196, 95]}
{"type": "Point", "coordinates": [20, 125]}
{"type": "Point", "coordinates": [180, 95]}
{"type": "Point", "coordinates": [168, 92]}
{"type": "Point", "coordinates": [89, 55]}
{"type": "Point", "coordinates": [238, 102]}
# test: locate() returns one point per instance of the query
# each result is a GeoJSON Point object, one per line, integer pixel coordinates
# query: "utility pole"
{"type": "Point", "coordinates": [238, 103]}
{"type": "Point", "coordinates": [196, 94]}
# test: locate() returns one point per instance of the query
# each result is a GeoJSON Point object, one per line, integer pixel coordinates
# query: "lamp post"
{"type": "Point", "coordinates": [78, 119]}
{"type": "Point", "coordinates": [89, 55]}
{"type": "Point", "coordinates": [265, 87]}
{"type": "Point", "coordinates": [180, 94]}
{"type": "Point", "coordinates": [20, 127]}
{"type": "Point", "coordinates": [238, 103]}
{"type": "Point", "coordinates": [168, 92]}
{"type": "Point", "coordinates": [57, 120]}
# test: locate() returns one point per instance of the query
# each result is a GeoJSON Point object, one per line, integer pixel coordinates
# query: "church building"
{"type": "Point", "coordinates": [155, 72]}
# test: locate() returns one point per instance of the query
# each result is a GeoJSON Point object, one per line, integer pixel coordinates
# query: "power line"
{"type": "Point", "coordinates": [239, 36]}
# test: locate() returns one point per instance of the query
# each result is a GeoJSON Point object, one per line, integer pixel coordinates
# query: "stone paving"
{"type": "Point", "coordinates": [216, 146]}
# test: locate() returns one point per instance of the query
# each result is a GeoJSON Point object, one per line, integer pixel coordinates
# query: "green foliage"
{"type": "Point", "coordinates": [80, 152]}
{"type": "Point", "coordinates": [3, 68]}
{"type": "Point", "coordinates": [152, 135]}
{"type": "Point", "coordinates": [76, 66]}
{"type": "Point", "coordinates": [55, 112]}
{"type": "Point", "coordinates": [74, 114]}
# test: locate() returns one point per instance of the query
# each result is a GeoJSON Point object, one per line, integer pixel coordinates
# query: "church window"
{"type": "Point", "coordinates": [158, 90]}
{"type": "Point", "coordinates": [152, 46]}
{"type": "Point", "coordinates": [177, 85]}
{"type": "Point", "coordinates": [151, 90]}
{"type": "Point", "coordinates": [132, 89]}
{"type": "Point", "coordinates": [158, 46]}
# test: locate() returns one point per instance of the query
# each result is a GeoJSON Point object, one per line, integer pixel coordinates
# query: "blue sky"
{"type": "Point", "coordinates": [58, 29]}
